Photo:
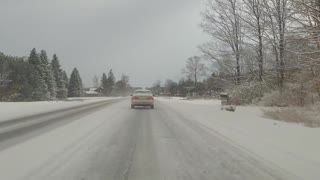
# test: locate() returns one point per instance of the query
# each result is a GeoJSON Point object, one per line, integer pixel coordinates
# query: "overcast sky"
{"type": "Point", "coordinates": [148, 40]}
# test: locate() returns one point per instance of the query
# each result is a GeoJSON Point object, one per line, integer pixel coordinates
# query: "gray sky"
{"type": "Point", "coordinates": [148, 40]}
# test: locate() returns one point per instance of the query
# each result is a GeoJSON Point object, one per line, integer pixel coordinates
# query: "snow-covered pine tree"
{"type": "Point", "coordinates": [47, 74]}
{"type": "Point", "coordinates": [20, 71]}
{"type": "Point", "coordinates": [65, 78]}
{"type": "Point", "coordinates": [81, 85]}
{"type": "Point", "coordinates": [33, 58]}
{"type": "Point", "coordinates": [75, 84]}
{"type": "Point", "coordinates": [36, 80]}
{"type": "Point", "coordinates": [39, 87]}
{"type": "Point", "coordinates": [57, 73]}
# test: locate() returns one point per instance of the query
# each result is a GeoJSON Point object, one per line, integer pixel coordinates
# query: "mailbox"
{"type": "Point", "coordinates": [225, 99]}
{"type": "Point", "coordinates": [226, 102]}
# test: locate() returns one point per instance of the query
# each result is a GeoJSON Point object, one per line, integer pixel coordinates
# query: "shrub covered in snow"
{"type": "Point", "coordinates": [248, 92]}
{"type": "Point", "coordinates": [291, 95]}
{"type": "Point", "coordinates": [309, 117]}
{"type": "Point", "coordinates": [275, 98]}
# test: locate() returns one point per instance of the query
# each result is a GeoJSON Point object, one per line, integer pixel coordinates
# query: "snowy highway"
{"type": "Point", "coordinates": [112, 141]}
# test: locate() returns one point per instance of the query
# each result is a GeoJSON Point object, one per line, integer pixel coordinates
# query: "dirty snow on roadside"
{"type": "Point", "coordinates": [11, 110]}
{"type": "Point", "coordinates": [291, 147]}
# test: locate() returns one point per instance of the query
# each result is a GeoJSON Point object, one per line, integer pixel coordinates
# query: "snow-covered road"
{"type": "Point", "coordinates": [13, 110]}
{"type": "Point", "coordinates": [176, 140]}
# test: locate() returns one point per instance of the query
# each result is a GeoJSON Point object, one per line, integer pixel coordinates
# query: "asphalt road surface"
{"type": "Point", "coordinates": [147, 144]}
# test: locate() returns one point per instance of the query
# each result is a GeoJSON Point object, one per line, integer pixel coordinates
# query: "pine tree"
{"type": "Point", "coordinates": [57, 73]}
{"type": "Point", "coordinates": [104, 83]}
{"type": "Point", "coordinates": [21, 75]}
{"type": "Point", "coordinates": [34, 58]}
{"type": "Point", "coordinates": [75, 86]}
{"type": "Point", "coordinates": [39, 87]}
{"type": "Point", "coordinates": [110, 81]}
{"type": "Point", "coordinates": [65, 79]}
{"type": "Point", "coordinates": [81, 84]}
{"type": "Point", "coordinates": [44, 57]}
{"type": "Point", "coordinates": [47, 74]}
{"type": "Point", "coordinates": [36, 80]}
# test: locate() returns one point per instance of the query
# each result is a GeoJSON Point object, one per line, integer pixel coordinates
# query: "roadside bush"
{"type": "Point", "coordinates": [309, 117]}
{"type": "Point", "coordinates": [278, 99]}
{"type": "Point", "coordinates": [249, 92]}
{"type": "Point", "coordinates": [292, 95]}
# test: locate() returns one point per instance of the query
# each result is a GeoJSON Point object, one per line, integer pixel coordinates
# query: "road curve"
{"type": "Point", "coordinates": [157, 144]}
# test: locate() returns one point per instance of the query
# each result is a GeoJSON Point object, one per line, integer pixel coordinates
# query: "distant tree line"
{"type": "Point", "coordinates": [36, 78]}
{"type": "Point", "coordinates": [197, 82]}
{"type": "Point", "coordinates": [110, 87]}
{"type": "Point", "coordinates": [206, 87]}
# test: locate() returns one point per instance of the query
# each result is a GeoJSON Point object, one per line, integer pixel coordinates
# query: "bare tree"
{"type": "Point", "coordinates": [157, 84]}
{"type": "Point", "coordinates": [122, 86]}
{"type": "Point", "coordinates": [308, 16]}
{"type": "Point", "coordinates": [279, 13]}
{"type": "Point", "coordinates": [96, 81]}
{"type": "Point", "coordinates": [255, 20]}
{"type": "Point", "coordinates": [156, 87]}
{"type": "Point", "coordinates": [170, 87]}
{"type": "Point", "coordinates": [222, 20]}
{"type": "Point", "coordinates": [194, 68]}
{"type": "Point", "coordinates": [277, 41]}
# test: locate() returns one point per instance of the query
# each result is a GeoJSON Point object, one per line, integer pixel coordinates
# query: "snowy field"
{"type": "Point", "coordinates": [11, 110]}
{"type": "Point", "coordinates": [293, 147]}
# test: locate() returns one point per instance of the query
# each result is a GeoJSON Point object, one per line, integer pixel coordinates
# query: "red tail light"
{"type": "Point", "coordinates": [134, 98]}
{"type": "Point", "coordinates": [151, 98]}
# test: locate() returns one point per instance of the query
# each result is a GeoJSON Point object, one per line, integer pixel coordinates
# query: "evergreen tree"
{"type": "Point", "coordinates": [47, 74]}
{"type": "Point", "coordinates": [104, 84]}
{"type": "Point", "coordinates": [44, 57]}
{"type": "Point", "coordinates": [65, 79]}
{"type": "Point", "coordinates": [39, 87]}
{"type": "Point", "coordinates": [75, 86]}
{"type": "Point", "coordinates": [36, 79]}
{"type": "Point", "coordinates": [58, 75]}
{"type": "Point", "coordinates": [34, 58]}
{"type": "Point", "coordinates": [20, 76]}
{"type": "Point", "coordinates": [81, 84]}
{"type": "Point", "coordinates": [110, 82]}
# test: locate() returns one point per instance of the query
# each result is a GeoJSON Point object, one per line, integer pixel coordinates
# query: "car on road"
{"type": "Point", "coordinates": [142, 98]}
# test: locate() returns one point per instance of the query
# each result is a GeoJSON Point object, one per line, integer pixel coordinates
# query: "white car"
{"type": "Point", "coordinates": [142, 98]}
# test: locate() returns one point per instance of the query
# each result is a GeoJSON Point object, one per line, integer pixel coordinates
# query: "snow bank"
{"type": "Point", "coordinates": [192, 101]}
{"type": "Point", "coordinates": [292, 147]}
{"type": "Point", "coordinates": [11, 110]}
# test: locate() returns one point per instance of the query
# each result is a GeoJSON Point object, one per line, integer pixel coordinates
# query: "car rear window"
{"type": "Point", "coordinates": [142, 92]}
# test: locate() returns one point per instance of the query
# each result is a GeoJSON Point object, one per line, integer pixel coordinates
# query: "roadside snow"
{"type": "Point", "coordinates": [11, 110]}
{"type": "Point", "coordinates": [194, 101]}
{"type": "Point", "coordinates": [40, 156]}
{"type": "Point", "coordinates": [292, 147]}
